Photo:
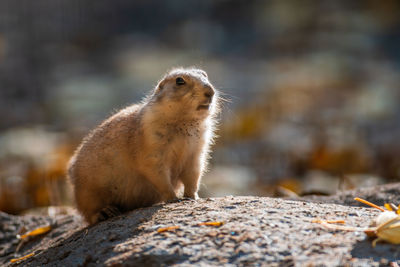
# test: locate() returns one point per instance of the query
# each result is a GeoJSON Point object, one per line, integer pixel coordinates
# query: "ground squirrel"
{"type": "Point", "coordinates": [143, 154]}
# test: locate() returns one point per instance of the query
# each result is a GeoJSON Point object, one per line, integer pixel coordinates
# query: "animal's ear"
{"type": "Point", "coordinates": [202, 72]}
{"type": "Point", "coordinates": [160, 85]}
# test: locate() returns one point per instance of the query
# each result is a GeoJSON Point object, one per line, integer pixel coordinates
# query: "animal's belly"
{"type": "Point", "coordinates": [136, 192]}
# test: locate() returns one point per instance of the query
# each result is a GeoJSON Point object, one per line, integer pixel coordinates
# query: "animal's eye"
{"type": "Point", "coordinates": [180, 81]}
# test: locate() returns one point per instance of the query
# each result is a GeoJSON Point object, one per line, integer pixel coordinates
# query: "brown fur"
{"type": "Point", "coordinates": [143, 154]}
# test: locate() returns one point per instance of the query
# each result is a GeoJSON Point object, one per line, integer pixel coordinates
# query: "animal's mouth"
{"type": "Point", "coordinates": [203, 106]}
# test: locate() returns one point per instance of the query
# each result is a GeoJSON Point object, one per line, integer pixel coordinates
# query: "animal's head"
{"type": "Point", "coordinates": [187, 92]}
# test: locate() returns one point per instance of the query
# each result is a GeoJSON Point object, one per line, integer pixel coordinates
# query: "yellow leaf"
{"type": "Point", "coordinates": [23, 258]}
{"type": "Point", "coordinates": [169, 228]}
{"type": "Point", "coordinates": [368, 203]}
{"type": "Point", "coordinates": [389, 231]}
{"type": "Point", "coordinates": [211, 223]}
{"type": "Point", "coordinates": [35, 232]}
{"type": "Point", "coordinates": [388, 207]}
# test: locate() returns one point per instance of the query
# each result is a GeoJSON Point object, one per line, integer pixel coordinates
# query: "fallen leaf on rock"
{"type": "Point", "coordinates": [169, 228]}
{"type": "Point", "coordinates": [386, 225]}
{"type": "Point", "coordinates": [35, 232]}
{"type": "Point", "coordinates": [388, 228]}
{"type": "Point", "coordinates": [392, 207]}
{"type": "Point", "coordinates": [336, 221]}
{"type": "Point", "coordinates": [368, 203]}
{"type": "Point", "coordinates": [329, 225]}
{"type": "Point", "coordinates": [212, 223]}
{"type": "Point", "coordinates": [23, 257]}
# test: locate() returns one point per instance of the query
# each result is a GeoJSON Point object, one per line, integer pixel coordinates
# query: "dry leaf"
{"type": "Point", "coordinates": [23, 257]}
{"type": "Point", "coordinates": [387, 224]}
{"type": "Point", "coordinates": [165, 229]}
{"type": "Point", "coordinates": [35, 232]}
{"type": "Point", "coordinates": [211, 223]}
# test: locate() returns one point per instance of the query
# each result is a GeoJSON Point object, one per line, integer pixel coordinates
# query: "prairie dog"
{"type": "Point", "coordinates": [143, 154]}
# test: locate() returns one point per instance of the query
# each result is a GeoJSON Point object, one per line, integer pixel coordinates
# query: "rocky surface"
{"type": "Point", "coordinates": [256, 231]}
{"type": "Point", "coordinates": [378, 195]}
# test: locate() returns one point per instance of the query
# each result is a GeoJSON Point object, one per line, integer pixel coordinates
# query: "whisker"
{"type": "Point", "coordinates": [225, 100]}
{"type": "Point", "coordinates": [225, 97]}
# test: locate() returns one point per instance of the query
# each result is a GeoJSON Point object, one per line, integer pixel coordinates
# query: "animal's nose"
{"type": "Point", "coordinates": [209, 93]}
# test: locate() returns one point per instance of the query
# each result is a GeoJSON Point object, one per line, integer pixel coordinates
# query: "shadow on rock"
{"type": "Point", "coordinates": [138, 259]}
{"type": "Point", "coordinates": [364, 250]}
{"type": "Point", "coordinates": [94, 244]}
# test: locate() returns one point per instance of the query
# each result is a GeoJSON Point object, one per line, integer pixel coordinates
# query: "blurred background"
{"type": "Point", "coordinates": [313, 88]}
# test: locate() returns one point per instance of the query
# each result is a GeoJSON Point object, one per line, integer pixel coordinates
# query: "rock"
{"type": "Point", "coordinates": [260, 230]}
{"type": "Point", "coordinates": [379, 195]}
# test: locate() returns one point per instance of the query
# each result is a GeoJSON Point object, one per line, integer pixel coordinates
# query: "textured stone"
{"type": "Point", "coordinates": [256, 231]}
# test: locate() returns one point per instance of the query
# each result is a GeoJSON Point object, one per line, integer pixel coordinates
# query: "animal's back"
{"type": "Point", "coordinates": [101, 168]}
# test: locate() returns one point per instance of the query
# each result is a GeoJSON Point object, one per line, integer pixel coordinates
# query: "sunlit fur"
{"type": "Point", "coordinates": [144, 153]}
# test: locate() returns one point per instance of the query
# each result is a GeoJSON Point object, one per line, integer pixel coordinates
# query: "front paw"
{"type": "Point", "coordinates": [169, 197]}
{"type": "Point", "coordinates": [192, 196]}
